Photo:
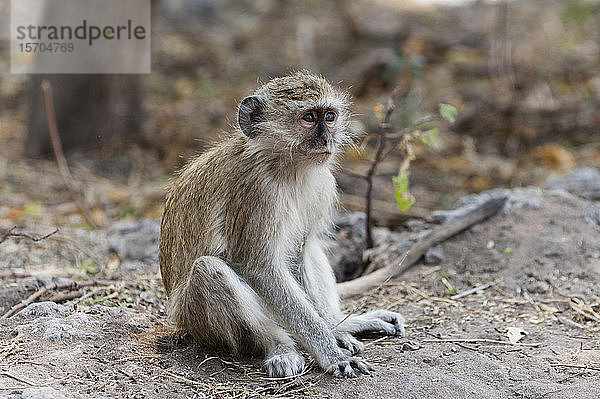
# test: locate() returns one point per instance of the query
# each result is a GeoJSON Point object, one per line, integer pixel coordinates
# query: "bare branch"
{"type": "Point", "coordinates": [61, 160]}
{"type": "Point", "coordinates": [72, 285]}
{"type": "Point", "coordinates": [355, 175]}
{"type": "Point", "coordinates": [413, 126]}
{"type": "Point", "coordinates": [33, 237]}
{"type": "Point", "coordinates": [381, 144]}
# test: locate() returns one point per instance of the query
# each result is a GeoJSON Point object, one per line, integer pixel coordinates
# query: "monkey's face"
{"type": "Point", "coordinates": [299, 117]}
{"type": "Point", "coordinates": [317, 131]}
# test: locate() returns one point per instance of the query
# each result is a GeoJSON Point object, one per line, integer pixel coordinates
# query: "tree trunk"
{"type": "Point", "coordinates": [92, 111]}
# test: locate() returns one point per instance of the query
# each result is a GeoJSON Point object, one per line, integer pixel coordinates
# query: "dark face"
{"type": "Point", "coordinates": [318, 128]}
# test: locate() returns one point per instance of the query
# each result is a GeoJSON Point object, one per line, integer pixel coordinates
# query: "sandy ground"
{"type": "Point", "coordinates": [542, 254]}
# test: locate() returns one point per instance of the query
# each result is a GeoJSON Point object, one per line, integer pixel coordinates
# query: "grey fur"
{"type": "Point", "coordinates": [241, 250]}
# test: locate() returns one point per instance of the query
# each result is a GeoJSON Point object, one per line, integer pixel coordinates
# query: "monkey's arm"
{"type": "Point", "coordinates": [290, 305]}
{"type": "Point", "coordinates": [319, 281]}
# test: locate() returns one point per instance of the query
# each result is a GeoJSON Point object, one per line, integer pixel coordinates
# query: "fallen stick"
{"type": "Point", "coordinates": [443, 232]}
{"type": "Point", "coordinates": [575, 366]}
{"type": "Point", "coordinates": [67, 296]}
{"type": "Point", "coordinates": [473, 290]}
{"type": "Point", "coordinates": [20, 379]}
{"type": "Point", "coordinates": [482, 341]}
{"type": "Point", "coordinates": [33, 237]}
{"type": "Point", "coordinates": [61, 160]}
{"type": "Point", "coordinates": [578, 304]}
{"type": "Point", "coordinates": [585, 310]}
{"type": "Point", "coordinates": [53, 286]}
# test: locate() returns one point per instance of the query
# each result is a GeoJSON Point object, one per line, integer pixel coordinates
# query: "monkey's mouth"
{"type": "Point", "coordinates": [321, 155]}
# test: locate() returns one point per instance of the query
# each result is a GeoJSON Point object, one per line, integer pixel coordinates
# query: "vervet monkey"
{"type": "Point", "coordinates": [242, 235]}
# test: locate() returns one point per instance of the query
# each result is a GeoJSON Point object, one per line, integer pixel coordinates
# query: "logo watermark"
{"type": "Point", "coordinates": [80, 36]}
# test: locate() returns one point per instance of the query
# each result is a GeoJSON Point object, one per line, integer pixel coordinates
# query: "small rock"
{"type": "Point", "coordinates": [517, 198]}
{"type": "Point", "coordinates": [354, 221]}
{"type": "Point", "coordinates": [111, 310]}
{"type": "Point", "coordinates": [593, 218]}
{"type": "Point", "coordinates": [149, 297]}
{"type": "Point", "coordinates": [42, 393]}
{"type": "Point", "coordinates": [137, 242]}
{"type": "Point", "coordinates": [56, 326]}
{"type": "Point", "coordinates": [537, 287]}
{"type": "Point", "coordinates": [434, 255]}
{"type": "Point", "coordinates": [70, 329]}
{"type": "Point", "coordinates": [346, 251]}
{"type": "Point", "coordinates": [412, 384]}
{"type": "Point", "coordinates": [43, 309]}
{"type": "Point", "coordinates": [584, 182]}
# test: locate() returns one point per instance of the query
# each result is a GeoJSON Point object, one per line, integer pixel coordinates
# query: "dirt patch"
{"type": "Point", "coordinates": [543, 258]}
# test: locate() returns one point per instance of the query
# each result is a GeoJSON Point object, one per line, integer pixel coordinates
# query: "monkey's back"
{"type": "Point", "coordinates": [191, 225]}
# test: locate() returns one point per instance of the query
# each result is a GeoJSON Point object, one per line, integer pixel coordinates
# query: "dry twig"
{"type": "Point", "coordinates": [61, 160]}
{"type": "Point", "coordinates": [578, 304]}
{"type": "Point", "coordinates": [67, 296]}
{"type": "Point", "coordinates": [481, 340]}
{"type": "Point", "coordinates": [381, 145]}
{"type": "Point", "coordinates": [576, 366]}
{"type": "Point", "coordinates": [53, 286]}
{"type": "Point", "coordinates": [33, 237]}
{"type": "Point", "coordinates": [423, 295]}
{"type": "Point", "coordinates": [14, 377]}
{"type": "Point", "coordinates": [473, 290]}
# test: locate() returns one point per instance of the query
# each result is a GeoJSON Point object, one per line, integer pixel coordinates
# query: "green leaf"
{"type": "Point", "coordinates": [433, 135]}
{"type": "Point", "coordinates": [429, 138]}
{"type": "Point", "coordinates": [448, 112]}
{"type": "Point", "coordinates": [403, 197]}
{"type": "Point", "coordinates": [507, 250]}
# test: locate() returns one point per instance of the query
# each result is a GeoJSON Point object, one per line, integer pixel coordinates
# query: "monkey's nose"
{"type": "Point", "coordinates": [326, 145]}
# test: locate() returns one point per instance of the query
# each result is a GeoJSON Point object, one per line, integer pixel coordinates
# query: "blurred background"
{"type": "Point", "coordinates": [524, 76]}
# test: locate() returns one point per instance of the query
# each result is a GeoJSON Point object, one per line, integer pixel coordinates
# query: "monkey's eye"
{"type": "Point", "coordinates": [309, 117]}
{"type": "Point", "coordinates": [329, 116]}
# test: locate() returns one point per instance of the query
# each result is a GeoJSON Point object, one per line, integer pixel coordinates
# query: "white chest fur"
{"type": "Point", "coordinates": [307, 206]}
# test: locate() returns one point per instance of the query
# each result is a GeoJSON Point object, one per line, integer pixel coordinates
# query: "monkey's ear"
{"type": "Point", "coordinates": [251, 111]}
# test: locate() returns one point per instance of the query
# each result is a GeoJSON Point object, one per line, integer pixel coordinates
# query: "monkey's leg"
{"type": "Point", "coordinates": [219, 309]}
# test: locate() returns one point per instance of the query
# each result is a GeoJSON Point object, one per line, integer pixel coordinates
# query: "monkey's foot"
{"type": "Point", "coordinates": [345, 340]}
{"type": "Point", "coordinates": [345, 368]}
{"type": "Point", "coordinates": [284, 364]}
{"type": "Point", "coordinates": [391, 323]}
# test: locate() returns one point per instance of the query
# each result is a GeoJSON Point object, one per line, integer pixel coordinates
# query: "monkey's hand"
{"type": "Point", "coordinates": [346, 341]}
{"type": "Point", "coordinates": [345, 367]}
{"type": "Point", "coordinates": [391, 323]}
